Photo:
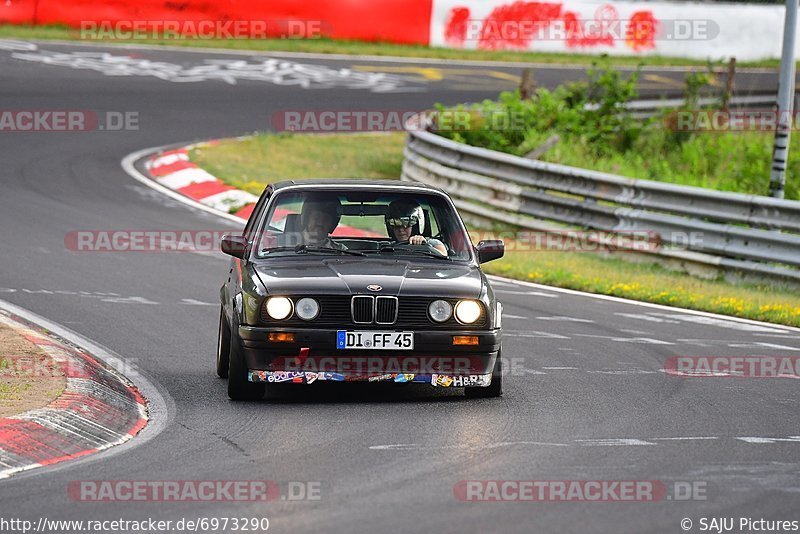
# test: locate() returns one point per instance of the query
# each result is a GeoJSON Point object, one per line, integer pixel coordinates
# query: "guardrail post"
{"type": "Point", "coordinates": [783, 130]}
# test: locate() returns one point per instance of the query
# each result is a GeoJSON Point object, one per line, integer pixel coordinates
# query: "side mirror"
{"type": "Point", "coordinates": [490, 250]}
{"type": "Point", "coordinates": [234, 245]}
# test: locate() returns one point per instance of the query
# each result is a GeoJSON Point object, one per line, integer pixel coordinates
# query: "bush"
{"type": "Point", "coordinates": [597, 132]}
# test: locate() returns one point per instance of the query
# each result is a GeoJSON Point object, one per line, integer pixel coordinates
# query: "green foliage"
{"type": "Point", "coordinates": [597, 133]}
{"type": "Point", "coordinates": [591, 113]}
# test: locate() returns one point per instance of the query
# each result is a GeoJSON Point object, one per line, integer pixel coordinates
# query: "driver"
{"type": "Point", "coordinates": [318, 220]}
{"type": "Point", "coordinates": [405, 220]}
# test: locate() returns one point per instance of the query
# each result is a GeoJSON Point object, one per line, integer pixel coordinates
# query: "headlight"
{"type": "Point", "coordinates": [307, 308]}
{"type": "Point", "coordinates": [440, 310]}
{"type": "Point", "coordinates": [468, 311]}
{"type": "Point", "coordinates": [279, 308]}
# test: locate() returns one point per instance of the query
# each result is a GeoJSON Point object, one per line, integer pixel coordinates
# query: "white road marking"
{"type": "Point", "coordinates": [774, 346]}
{"type": "Point", "coordinates": [586, 442]}
{"type": "Point", "coordinates": [686, 438]}
{"type": "Point", "coordinates": [701, 342]}
{"type": "Point", "coordinates": [510, 316]}
{"type": "Point", "coordinates": [700, 373]}
{"type": "Point", "coordinates": [417, 446]}
{"type": "Point", "coordinates": [564, 319]}
{"type": "Point", "coordinates": [534, 333]}
{"type": "Point", "coordinates": [193, 302]}
{"type": "Point", "coordinates": [16, 46]}
{"type": "Point", "coordinates": [281, 72]}
{"type": "Point", "coordinates": [612, 442]}
{"type": "Point", "coordinates": [561, 368]}
{"type": "Point", "coordinates": [754, 345]}
{"type": "Point", "coordinates": [722, 323]}
{"type": "Point", "coordinates": [533, 372]}
{"type": "Point", "coordinates": [128, 300]}
{"type": "Point", "coordinates": [623, 372]}
{"type": "Point", "coordinates": [644, 340]}
{"type": "Point", "coordinates": [782, 336]}
{"type": "Point", "coordinates": [727, 343]}
{"type": "Point", "coordinates": [637, 332]}
{"type": "Point", "coordinates": [646, 317]}
{"type": "Point", "coordinates": [535, 293]}
{"type": "Point", "coordinates": [103, 296]}
{"type": "Point", "coordinates": [511, 443]}
{"type": "Point", "coordinates": [788, 439]}
{"type": "Point", "coordinates": [502, 283]}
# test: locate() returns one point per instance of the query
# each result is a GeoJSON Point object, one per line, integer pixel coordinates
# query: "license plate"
{"type": "Point", "coordinates": [370, 339]}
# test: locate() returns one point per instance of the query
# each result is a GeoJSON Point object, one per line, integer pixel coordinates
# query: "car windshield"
{"type": "Point", "coordinates": [361, 223]}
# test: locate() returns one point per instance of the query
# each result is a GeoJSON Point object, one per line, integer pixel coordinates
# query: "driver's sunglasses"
{"type": "Point", "coordinates": [405, 222]}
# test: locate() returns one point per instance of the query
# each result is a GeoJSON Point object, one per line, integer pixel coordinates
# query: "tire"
{"type": "Point", "coordinates": [223, 346]}
{"type": "Point", "coordinates": [495, 389]}
{"type": "Point", "coordinates": [239, 388]}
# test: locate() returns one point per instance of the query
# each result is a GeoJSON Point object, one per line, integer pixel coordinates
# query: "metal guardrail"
{"type": "Point", "coordinates": [642, 109]}
{"type": "Point", "coordinates": [749, 233]}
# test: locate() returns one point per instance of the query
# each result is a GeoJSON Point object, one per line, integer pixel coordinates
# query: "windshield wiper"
{"type": "Point", "coordinates": [390, 248]}
{"type": "Point", "coordinates": [312, 248]}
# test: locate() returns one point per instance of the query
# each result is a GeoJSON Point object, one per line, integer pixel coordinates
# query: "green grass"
{"type": "Point", "coordinates": [738, 162]}
{"type": "Point", "coordinates": [256, 161]}
{"type": "Point", "coordinates": [357, 48]}
{"type": "Point", "coordinates": [650, 283]}
{"type": "Point", "coordinates": [251, 163]}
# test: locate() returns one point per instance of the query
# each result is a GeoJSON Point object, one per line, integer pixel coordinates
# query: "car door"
{"type": "Point", "coordinates": [237, 269]}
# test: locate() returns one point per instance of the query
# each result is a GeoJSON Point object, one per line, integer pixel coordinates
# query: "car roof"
{"type": "Point", "coordinates": [388, 185]}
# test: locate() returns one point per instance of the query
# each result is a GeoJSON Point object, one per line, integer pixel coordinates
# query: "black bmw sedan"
{"type": "Point", "coordinates": [355, 280]}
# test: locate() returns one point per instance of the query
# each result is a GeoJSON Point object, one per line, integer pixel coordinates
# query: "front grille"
{"type": "Point", "coordinates": [336, 312]}
{"type": "Point", "coordinates": [363, 309]}
{"type": "Point", "coordinates": [385, 310]}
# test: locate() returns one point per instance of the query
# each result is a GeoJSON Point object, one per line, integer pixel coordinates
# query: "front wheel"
{"type": "Point", "coordinates": [239, 388]}
{"type": "Point", "coordinates": [223, 345]}
{"type": "Point", "coordinates": [495, 389]}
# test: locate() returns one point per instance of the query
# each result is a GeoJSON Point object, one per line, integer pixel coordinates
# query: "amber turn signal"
{"type": "Point", "coordinates": [465, 340]}
{"type": "Point", "coordinates": [280, 337]}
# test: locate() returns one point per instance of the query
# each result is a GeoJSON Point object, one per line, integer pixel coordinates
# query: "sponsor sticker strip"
{"type": "Point", "coordinates": [308, 377]}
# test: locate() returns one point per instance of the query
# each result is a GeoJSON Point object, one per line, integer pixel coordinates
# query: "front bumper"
{"type": "Point", "coordinates": [433, 360]}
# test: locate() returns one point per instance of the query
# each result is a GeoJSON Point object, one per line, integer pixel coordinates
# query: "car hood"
{"type": "Point", "coordinates": [315, 275]}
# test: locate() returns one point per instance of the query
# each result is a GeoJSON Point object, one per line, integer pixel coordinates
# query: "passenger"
{"type": "Point", "coordinates": [319, 218]}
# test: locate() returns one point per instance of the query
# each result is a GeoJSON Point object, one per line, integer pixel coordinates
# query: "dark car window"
{"type": "Point", "coordinates": [249, 228]}
{"type": "Point", "coordinates": [367, 221]}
